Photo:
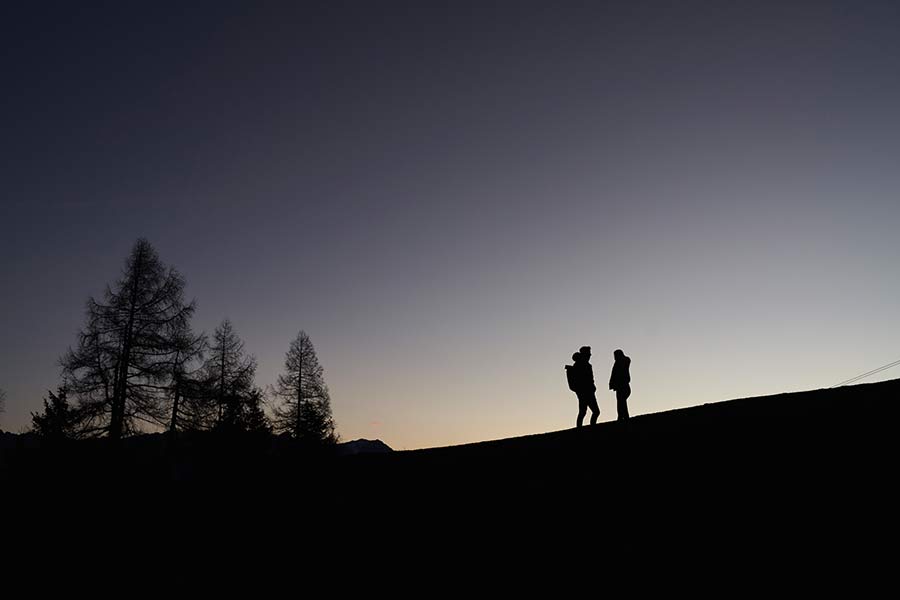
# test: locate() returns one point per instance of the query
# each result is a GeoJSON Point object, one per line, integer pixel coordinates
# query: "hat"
{"type": "Point", "coordinates": [585, 349]}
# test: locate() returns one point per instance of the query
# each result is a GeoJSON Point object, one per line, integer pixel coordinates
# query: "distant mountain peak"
{"type": "Point", "coordinates": [362, 446]}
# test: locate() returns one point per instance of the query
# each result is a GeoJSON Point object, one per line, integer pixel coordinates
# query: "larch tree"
{"type": "Point", "coordinates": [229, 373]}
{"type": "Point", "coordinates": [305, 409]}
{"type": "Point", "coordinates": [121, 369]}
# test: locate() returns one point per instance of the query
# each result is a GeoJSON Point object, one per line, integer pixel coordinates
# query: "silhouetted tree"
{"type": "Point", "coordinates": [254, 419]}
{"type": "Point", "coordinates": [189, 397]}
{"type": "Point", "coordinates": [305, 412]}
{"type": "Point", "coordinates": [59, 421]}
{"type": "Point", "coordinates": [197, 406]}
{"type": "Point", "coordinates": [245, 413]}
{"type": "Point", "coordinates": [122, 368]}
{"type": "Point", "coordinates": [229, 374]}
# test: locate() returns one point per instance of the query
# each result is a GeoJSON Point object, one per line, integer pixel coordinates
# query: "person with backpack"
{"type": "Point", "coordinates": [580, 376]}
{"type": "Point", "coordinates": [620, 381]}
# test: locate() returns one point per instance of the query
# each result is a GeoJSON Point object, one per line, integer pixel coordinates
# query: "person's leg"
{"type": "Point", "coordinates": [595, 409]}
{"type": "Point", "coordinates": [582, 410]}
{"type": "Point", "coordinates": [622, 402]}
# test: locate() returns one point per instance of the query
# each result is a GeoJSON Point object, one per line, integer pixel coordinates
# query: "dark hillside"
{"type": "Point", "coordinates": [810, 467]}
{"type": "Point", "coordinates": [812, 470]}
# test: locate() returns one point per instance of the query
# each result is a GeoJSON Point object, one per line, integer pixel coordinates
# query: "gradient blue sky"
{"type": "Point", "coordinates": [452, 197]}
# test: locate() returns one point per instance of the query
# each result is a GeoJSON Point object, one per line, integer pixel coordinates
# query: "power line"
{"type": "Point", "coordinates": [867, 374]}
{"type": "Point", "coordinates": [864, 375]}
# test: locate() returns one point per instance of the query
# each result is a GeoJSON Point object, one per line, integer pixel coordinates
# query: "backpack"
{"type": "Point", "coordinates": [572, 377]}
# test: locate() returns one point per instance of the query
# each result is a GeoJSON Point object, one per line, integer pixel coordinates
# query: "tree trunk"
{"type": "Point", "coordinates": [299, 391]}
{"type": "Point", "coordinates": [117, 421]}
{"type": "Point", "coordinates": [221, 385]}
{"type": "Point", "coordinates": [174, 426]}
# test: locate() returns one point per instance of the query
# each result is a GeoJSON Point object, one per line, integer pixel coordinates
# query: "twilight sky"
{"type": "Point", "coordinates": [452, 197]}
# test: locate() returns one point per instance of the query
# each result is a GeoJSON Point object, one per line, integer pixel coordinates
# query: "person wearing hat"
{"type": "Point", "coordinates": [582, 383]}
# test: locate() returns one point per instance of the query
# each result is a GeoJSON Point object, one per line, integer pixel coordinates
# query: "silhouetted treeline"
{"type": "Point", "coordinates": [138, 366]}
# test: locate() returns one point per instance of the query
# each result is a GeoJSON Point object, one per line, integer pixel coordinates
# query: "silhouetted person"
{"type": "Point", "coordinates": [620, 381]}
{"type": "Point", "coordinates": [581, 381]}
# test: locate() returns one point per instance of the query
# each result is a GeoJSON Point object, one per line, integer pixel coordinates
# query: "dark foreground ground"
{"type": "Point", "coordinates": [792, 475]}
